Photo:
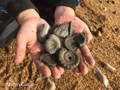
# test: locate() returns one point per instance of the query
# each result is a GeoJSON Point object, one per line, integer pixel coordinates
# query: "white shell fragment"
{"type": "Point", "coordinates": [99, 34]}
{"type": "Point", "coordinates": [52, 84]}
{"type": "Point", "coordinates": [111, 68]}
{"type": "Point", "coordinates": [108, 66]}
{"type": "Point", "coordinates": [102, 77]}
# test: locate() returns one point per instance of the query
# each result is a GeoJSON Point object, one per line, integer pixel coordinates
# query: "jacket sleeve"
{"type": "Point", "coordinates": [69, 3]}
{"type": "Point", "coordinates": [14, 7]}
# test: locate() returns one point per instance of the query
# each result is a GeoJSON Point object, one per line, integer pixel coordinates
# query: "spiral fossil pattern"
{"type": "Point", "coordinates": [52, 44]}
{"type": "Point", "coordinates": [70, 43]}
{"type": "Point", "coordinates": [79, 39]}
{"type": "Point", "coordinates": [62, 30]}
{"type": "Point", "coordinates": [47, 59]}
{"type": "Point", "coordinates": [60, 46]}
{"type": "Point", "coordinates": [68, 59]}
{"type": "Point", "coordinates": [74, 41]}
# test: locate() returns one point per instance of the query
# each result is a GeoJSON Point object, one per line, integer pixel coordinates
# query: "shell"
{"type": "Point", "coordinates": [70, 43]}
{"type": "Point", "coordinates": [102, 77]}
{"type": "Point", "coordinates": [52, 44]}
{"type": "Point", "coordinates": [68, 59]}
{"type": "Point", "coordinates": [42, 32]}
{"type": "Point", "coordinates": [48, 60]}
{"type": "Point", "coordinates": [75, 41]}
{"type": "Point", "coordinates": [62, 30]}
{"type": "Point", "coordinates": [79, 39]}
{"type": "Point", "coordinates": [108, 66]}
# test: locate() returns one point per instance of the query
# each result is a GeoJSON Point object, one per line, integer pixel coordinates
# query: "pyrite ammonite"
{"type": "Point", "coordinates": [74, 41]}
{"type": "Point", "coordinates": [47, 59]}
{"type": "Point", "coordinates": [60, 45]}
{"type": "Point", "coordinates": [68, 59]}
{"type": "Point", "coordinates": [79, 39]}
{"type": "Point", "coordinates": [63, 30]}
{"type": "Point", "coordinates": [52, 44]}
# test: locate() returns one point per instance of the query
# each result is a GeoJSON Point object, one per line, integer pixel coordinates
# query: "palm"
{"type": "Point", "coordinates": [27, 38]}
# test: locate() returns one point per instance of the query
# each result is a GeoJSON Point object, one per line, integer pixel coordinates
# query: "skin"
{"type": "Point", "coordinates": [27, 39]}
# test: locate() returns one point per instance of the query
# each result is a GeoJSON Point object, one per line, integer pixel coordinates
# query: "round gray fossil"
{"type": "Point", "coordinates": [70, 43]}
{"type": "Point", "coordinates": [68, 59]}
{"type": "Point", "coordinates": [52, 44]}
{"type": "Point", "coordinates": [74, 41]}
{"type": "Point", "coordinates": [79, 39]}
{"type": "Point", "coordinates": [63, 30]}
{"type": "Point", "coordinates": [42, 32]}
{"type": "Point", "coordinates": [47, 59]}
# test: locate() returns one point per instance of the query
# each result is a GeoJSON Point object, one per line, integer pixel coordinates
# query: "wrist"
{"type": "Point", "coordinates": [27, 15]}
{"type": "Point", "coordinates": [63, 11]}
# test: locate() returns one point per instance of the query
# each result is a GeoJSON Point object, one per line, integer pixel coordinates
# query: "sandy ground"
{"type": "Point", "coordinates": [102, 16]}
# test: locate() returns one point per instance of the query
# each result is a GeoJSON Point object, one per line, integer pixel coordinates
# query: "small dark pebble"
{"type": "Point", "coordinates": [113, 2]}
{"type": "Point", "coordinates": [98, 32]}
{"type": "Point", "coordinates": [100, 29]}
{"type": "Point", "coordinates": [114, 12]}
{"type": "Point", "coordinates": [117, 29]}
{"type": "Point", "coordinates": [110, 1]}
{"type": "Point", "coordinates": [117, 47]}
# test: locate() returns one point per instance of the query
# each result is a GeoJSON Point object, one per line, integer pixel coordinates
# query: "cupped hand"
{"type": "Point", "coordinates": [27, 39]}
{"type": "Point", "coordinates": [80, 27]}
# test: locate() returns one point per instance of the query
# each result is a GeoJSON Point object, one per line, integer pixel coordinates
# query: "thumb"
{"type": "Point", "coordinates": [21, 48]}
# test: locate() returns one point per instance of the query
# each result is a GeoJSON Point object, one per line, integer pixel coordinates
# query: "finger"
{"type": "Point", "coordinates": [87, 54]}
{"type": "Point", "coordinates": [61, 70]}
{"type": "Point", "coordinates": [82, 66]}
{"type": "Point", "coordinates": [43, 68]}
{"type": "Point", "coordinates": [88, 34]}
{"type": "Point", "coordinates": [21, 48]}
{"type": "Point", "coordinates": [55, 72]}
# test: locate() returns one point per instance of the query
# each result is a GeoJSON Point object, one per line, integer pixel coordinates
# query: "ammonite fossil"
{"type": "Point", "coordinates": [52, 44]}
{"type": "Point", "coordinates": [63, 30]}
{"type": "Point", "coordinates": [47, 59]}
{"type": "Point", "coordinates": [60, 45]}
{"type": "Point", "coordinates": [70, 43]}
{"type": "Point", "coordinates": [79, 39]}
{"type": "Point", "coordinates": [68, 59]}
{"type": "Point", "coordinates": [42, 32]}
{"type": "Point", "coordinates": [75, 41]}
